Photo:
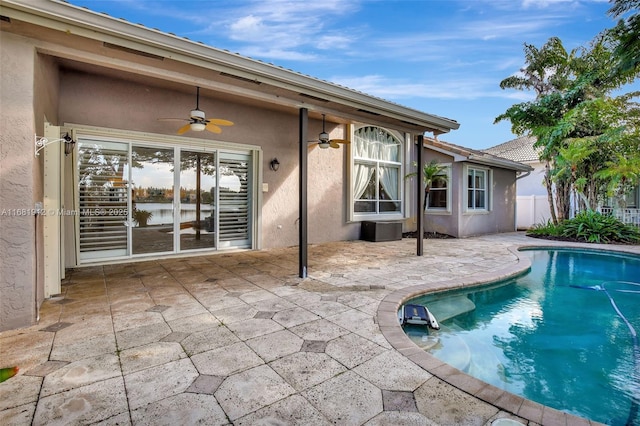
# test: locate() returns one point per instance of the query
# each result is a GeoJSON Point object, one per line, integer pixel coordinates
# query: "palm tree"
{"type": "Point", "coordinates": [431, 172]}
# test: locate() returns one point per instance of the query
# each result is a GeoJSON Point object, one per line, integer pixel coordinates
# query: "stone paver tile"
{"type": "Point", "coordinates": [256, 296]}
{"type": "Point", "coordinates": [275, 345]}
{"type": "Point", "coordinates": [213, 338]}
{"type": "Point", "coordinates": [141, 335]}
{"type": "Point", "coordinates": [291, 411]}
{"type": "Point", "coordinates": [251, 390]}
{"type": "Point", "coordinates": [122, 419]}
{"type": "Point", "coordinates": [206, 384]}
{"type": "Point", "coordinates": [392, 371]}
{"type": "Point", "coordinates": [85, 348]}
{"type": "Point", "coordinates": [294, 316]}
{"type": "Point", "coordinates": [81, 373]}
{"type": "Point", "coordinates": [319, 330]}
{"type": "Point", "coordinates": [127, 320]}
{"type": "Point", "coordinates": [398, 401]}
{"type": "Point", "coordinates": [19, 390]}
{"type": "Point", "coordinates": [183, 310]}
{"type": "Point", "coordinates": [150, 355]}
{"type": "Point", "coordinates": [26, 350]}
{"type": "Point", "coordinates": [352, 320]}
{"type": "Point", "coordinates": [445, 404]}
{"type": "Point", "coordinates": [253, 327]}
{"type": "Point", "coordinates": [83, 405]}
{"type": "Point", "coordinates": [305, 369]}
{"type": "Point", "coordinates": [157, 383]}
{"type": "Point", "coordinates": [226, 360]}
{"type": "Point", "coordinates": [347, 399]}
{"type": "Point", "coordinates": [194, 323]}
{"type": "Point", "coordinates": [18, 416]}
{"type": "Point", "coordinates": [326, 308]}
{"type": "Point", "coordinates": [222, 303]}
{"type": "Point", "coordinates": [275, 304]}
{"type": "Point", "coordinates": [182, 409]}
{"type": "Point", "coordinates": [46, 368]}
{"type": "Point", "coordinates": [351, 350]}
{"type": "Point", "coordinates": [235, 314]}
{"type": "Point", "coordinates": [397, 418]}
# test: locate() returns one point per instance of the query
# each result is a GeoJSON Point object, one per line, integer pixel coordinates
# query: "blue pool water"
{"type": "Point", "coordinates": [561, 335]}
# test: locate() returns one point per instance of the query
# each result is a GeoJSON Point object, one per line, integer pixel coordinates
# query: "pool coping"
{"type": "Point", "coordinates": [387, 316]}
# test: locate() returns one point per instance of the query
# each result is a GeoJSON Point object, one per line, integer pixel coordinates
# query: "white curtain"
{"type": "Point", "coordinates": [389, 181]}
{"type": "Point", "coordinates": [363, 173]}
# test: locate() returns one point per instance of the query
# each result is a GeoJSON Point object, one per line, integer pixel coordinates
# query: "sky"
{"type": "Point", "coordinates": [442, 57]}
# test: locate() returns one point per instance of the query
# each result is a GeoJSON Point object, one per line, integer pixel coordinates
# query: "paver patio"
{"type": "Point", "coordinates": [238, 338]}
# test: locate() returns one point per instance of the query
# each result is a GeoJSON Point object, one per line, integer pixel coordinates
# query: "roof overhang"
{"type": "Point", "coordinates": [460, 154]}
{"type": "Point", "coordinates": [303, 91]}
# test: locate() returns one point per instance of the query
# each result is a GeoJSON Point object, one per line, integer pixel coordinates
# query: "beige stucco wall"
{"type": "Point", "coordinates": [119, 104]}
{"type": "Point", "coordinates": [460, 224]}
{"type": "Point", "coordinates": [18, 188]}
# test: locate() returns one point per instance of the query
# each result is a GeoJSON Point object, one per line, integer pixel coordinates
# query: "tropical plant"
{"type": "Point", "coordinates": [589, 226]}
{"type": "Point", "coordinates": [431, 172]}
{"type": "Point", "coordinates": [141, 217]}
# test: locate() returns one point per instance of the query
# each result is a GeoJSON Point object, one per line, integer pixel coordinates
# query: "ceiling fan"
{"type": "Point", "coordinates": [197, 120]}
{"type": "Point", "coordinates": [324, 142]}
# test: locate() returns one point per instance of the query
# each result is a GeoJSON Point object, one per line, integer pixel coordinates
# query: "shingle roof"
{"type": "Point", "coordinates": [477, 156]}
{"type": "Point", "coordinates": [519, 149]}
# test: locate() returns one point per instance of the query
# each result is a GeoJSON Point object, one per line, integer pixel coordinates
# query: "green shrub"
{"type": "Point", "coordinates": [589, 226]}
{"type": "Point", "coordinates": [548, 229]}
{"type": "Point", "coordinates": [594, 227]}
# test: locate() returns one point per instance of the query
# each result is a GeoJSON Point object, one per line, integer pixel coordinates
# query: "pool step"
{"type": "Point", "coordinates": [451, 307]}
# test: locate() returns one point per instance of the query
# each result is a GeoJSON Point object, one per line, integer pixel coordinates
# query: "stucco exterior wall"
{"type": "Point", "coordinates": [501, 217]}
{"type": "Point", "coordinates": [18, 190]}
{"type": "Point", "coordinates": [118, 104]}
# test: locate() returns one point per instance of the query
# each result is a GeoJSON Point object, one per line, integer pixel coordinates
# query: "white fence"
{"type": "Point", "coordinates": [531, 209]}
{"type": "Point", "coordinates": [631, 216]}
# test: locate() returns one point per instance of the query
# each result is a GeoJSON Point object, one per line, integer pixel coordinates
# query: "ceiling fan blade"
{"type": "Point", "coordinates": [340, 141]}
{"type": "Point", "coordinates": [221, 122]}
{"type": "Point", "coordinates": [213, 128]}
{"type": "Point", "coordinates": [172, 119]}
{"type": "Point", "coordinates": [184, 128]}
{"type": "Point", "coordinates": [333, 144]}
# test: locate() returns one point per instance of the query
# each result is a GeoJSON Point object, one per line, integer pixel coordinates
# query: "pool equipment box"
{"type": "Point", "coordinates": [380, 231]}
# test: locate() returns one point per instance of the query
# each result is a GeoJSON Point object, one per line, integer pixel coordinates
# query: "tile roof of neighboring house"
{"type": "Point", "coordinates": [520, 149]}
{"type": "Point", "coordinates": [475, 156]}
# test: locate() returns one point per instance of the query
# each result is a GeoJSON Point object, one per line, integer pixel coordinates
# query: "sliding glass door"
{"type": "Point", "coordinates": [152, 200]}
{"type": "Point", "coordinates": [137, 199]}
{"type": "Point", "coordinates": [198, 173]}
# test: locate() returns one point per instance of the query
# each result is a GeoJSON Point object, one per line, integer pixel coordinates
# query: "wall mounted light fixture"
{"type": "Point", "coordinates": [274, 165]}
{"type": "Point", "coordinates": [41, 142]}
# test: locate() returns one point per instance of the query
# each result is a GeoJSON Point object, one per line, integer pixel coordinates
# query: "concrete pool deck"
{"type": "Point", "coordinates": [239, 339]}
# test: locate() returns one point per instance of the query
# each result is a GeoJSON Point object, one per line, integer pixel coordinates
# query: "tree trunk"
{"type": "Point", "coordinates": [549, 184]}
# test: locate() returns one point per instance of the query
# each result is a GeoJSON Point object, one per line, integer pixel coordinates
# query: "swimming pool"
{"type": "Point", "coordinates": [562, 335]}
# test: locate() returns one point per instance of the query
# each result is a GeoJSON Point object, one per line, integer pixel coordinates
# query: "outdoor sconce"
{"type": "Point", "coordinates": [41, 142]}
{"type": "Point", "coordinates": [274, 165]}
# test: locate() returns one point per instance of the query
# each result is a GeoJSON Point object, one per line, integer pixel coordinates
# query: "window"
{"type": "Point", "coordinates": [477, 189]}
{"type": "Point", "coordinates": [438, 198]}
{"type": "Point", "coordinates": [377, 172]}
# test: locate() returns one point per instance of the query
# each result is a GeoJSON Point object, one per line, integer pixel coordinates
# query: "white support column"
{"type": "Point", "coordinates": [52, 209]}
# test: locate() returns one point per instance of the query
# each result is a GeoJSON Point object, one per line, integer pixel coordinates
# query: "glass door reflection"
{"type": "Point", "coordinates": [197, 200]}
{"type": "Point", "coordinates": [152, 172]}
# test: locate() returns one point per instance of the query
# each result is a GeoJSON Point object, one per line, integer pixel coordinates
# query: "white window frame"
{"type": "Point", "coordinates": [447, 209]}
{"type": "Point", "coordinates": [362, 216]}
{"type": "Point", "coordinates": [488, 190]}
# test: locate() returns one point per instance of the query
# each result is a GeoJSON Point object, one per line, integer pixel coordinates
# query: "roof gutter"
{"type": "Point", "coordinates": [62, 16]}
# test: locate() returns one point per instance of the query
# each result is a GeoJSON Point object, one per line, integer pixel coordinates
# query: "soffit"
{"type": "Point", "coordinates": [115, 46]}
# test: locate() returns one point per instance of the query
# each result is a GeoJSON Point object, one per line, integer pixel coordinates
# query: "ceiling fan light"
{"type": "Point", "coordinates": [197, 127]}
{"type": "Point", "coordinates": [324, 137]}
{"type": "Point", "coordinates": [324, 144]}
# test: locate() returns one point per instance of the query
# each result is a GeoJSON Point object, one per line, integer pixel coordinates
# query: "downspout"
{"type": "Point", "coordinates": [420, 198]}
